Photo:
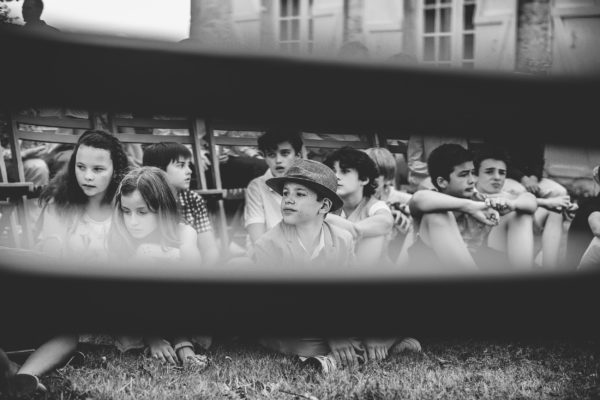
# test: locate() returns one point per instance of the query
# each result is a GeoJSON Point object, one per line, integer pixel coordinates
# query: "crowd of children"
{"type": "Point", "coordinates": [301, 214]}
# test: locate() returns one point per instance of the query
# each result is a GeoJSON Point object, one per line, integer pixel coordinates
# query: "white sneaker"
{"type": "Point", "coordinates": [406, 344]}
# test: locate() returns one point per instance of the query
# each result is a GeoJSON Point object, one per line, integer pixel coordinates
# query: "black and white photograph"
{"type": "Point", "coordinates": [299, 199]}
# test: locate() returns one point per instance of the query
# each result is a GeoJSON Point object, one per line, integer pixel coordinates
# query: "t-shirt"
{"type": "Point", "coordinates": [193, 210]}
{"type": "Point", "coordinates": [79, 235]}
{"type": "Point", "coordinates": [155, 252]}
{"type": "Point", "coordinates": [263, 204]}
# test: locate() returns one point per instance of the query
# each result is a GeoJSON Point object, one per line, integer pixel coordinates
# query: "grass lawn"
{"type": "Point", "coordinates": [446, 369]}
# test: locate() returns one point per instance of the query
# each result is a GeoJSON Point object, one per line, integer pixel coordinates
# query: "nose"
{"type": "Point", "coordinates": [278, 158]}
{"type": "Point", "coordinates": [188, 170]}
{"type": "Point", "coordinates": [132, 219]}
{"type": "Point", "coordinates": [88, 175]}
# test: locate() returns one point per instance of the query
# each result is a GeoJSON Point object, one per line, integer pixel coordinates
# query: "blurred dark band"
{"type": "Point", "coordinates": [140, 76]}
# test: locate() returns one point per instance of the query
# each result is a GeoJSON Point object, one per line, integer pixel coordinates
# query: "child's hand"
{"type": "Point", "coordinates": [500, 204]}
{"type": "Point", "coordinates": [483, 213]}
{"type": "Point", "coordinates": [186, 354]}
{"type": "Point", "coordinates": [343, 352]}
{"type": "Point", "coordinates": [558, 204]}
{"type": "Point", "coordinates": [162, 350]}
{"type": "Point", "coordinates": [376, 349]}
{"type": "Point", "coordinates": [401, 221]}
{"type": "Point", "coordinates": [531, 184]}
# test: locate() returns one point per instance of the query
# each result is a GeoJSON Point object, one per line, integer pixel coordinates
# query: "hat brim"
{"type": "Point", "coordinates": [277, 185]}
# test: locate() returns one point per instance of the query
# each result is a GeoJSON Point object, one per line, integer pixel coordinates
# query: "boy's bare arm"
{"type": "Point", "coordinates": [376, 225]}
{"type": "Point", "coordinates": [429, 201]}
{"type": "Point", "coordinates": [556, 204]}
{"type": "Point", "coordinates": [594, 221]}
{"type": "Point", "coordinates": [525, 203]}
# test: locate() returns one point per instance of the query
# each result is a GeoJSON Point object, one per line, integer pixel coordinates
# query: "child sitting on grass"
{"type": "Point", "coordinates": [305, 239]}
{"type": "Point", "coordinates": [514, 232]}
{"type": "Point", "coordinates": [368, 219]}
{"type": "Point", "coordinates": [175, 159]}
{"type": "Point", "coordinates": [396, 200]}
{"type": "Point", "coordinates": [147, 229]}
{"type": "Point", "coordinates": [451, 226]}
{"type": "Point", "coordinates": [262, 210]}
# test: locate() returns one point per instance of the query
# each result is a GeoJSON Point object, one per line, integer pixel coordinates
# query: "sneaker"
{"type": "Point", "coordinates": [24, 384]}
{"type": "Point", "coordinates": [406, 344]}
{"type": "Point", "coordinates": [324, 364]}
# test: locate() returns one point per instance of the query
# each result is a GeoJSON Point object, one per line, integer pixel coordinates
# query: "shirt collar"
{"type": "Point", "coordinates": [317, 249]}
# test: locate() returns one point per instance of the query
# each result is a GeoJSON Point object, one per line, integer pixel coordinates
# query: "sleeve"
{"type": "Point", "coordinates": [254, 212]}
{"type": "Point", "coordinates": [201, 214]}
{"type": "Point", "coordinates": [417, 167]}
{"type": "Point", "coordinates": [378, 205]}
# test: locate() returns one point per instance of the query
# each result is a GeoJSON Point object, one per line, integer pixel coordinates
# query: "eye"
{"type": "Point", "coordinates": [301, 194]}
{"type": "Point", "coordinates": [142, 212]}
{"type": "Point", "coordinates": [125, 211]}
{"type": "Point", "coordinates": [270, 155]}
{"type": "Point", "coordinates": [285, 193]}
{"type": "Point", "coordinates": [98, 169]}
{"type": "Point", "coordinates": [80, 167]}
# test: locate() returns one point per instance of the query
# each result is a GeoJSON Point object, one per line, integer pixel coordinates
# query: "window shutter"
{"type": "Point", "coordinates": [328, 25]}
{"type": "Point", "coordinates": [246, 22]}
{"type": "Point", "coordinates": [383, 27]}
{"type": "Point", "coordinates": [576, 29]}
{"type": "Point", "coordinates": [496, 34]}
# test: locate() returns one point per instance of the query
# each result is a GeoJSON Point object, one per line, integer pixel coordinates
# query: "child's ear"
{"type": "Point", "coordinates": [326, 206]}
{"type": "Point", "coordinates": [441, 182]}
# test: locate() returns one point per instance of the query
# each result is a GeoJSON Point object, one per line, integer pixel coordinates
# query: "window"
{"type": "Point", "coordinates": [447, 33]}
{"type": "Point", "coordinates": [295, 26]}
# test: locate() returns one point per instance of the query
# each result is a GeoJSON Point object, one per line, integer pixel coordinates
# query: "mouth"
{"type": "Point", "coordinates": [88, 186]}
{"type": "Point", "coordinates": [288, 210]}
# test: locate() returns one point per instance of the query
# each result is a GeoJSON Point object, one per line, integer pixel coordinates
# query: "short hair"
{"type": "Point", "coordinates": [443, 159]}
{"type": "Point", "coordinates": [273, 137]}
{"type": "Point", "coordinates": [349, 157]}
{"type": "Point", "coordinates": [160, 155]}
{"type": "Point", "coordinates": [384, 161]}
{"type": "Point", "coordinates": [488, 152]}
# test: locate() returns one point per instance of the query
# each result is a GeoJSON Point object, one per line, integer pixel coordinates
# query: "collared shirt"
{"type": "Point", "coordinates": [263, 204]}
{"type": "Point", "coordinates": [281, 247]}
{"type": "Point", "coordinates": [317, 249]}
{"type": "Point", "coordinates": [193, 210]}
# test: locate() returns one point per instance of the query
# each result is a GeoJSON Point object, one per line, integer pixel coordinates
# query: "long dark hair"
{"type": "Point", "coordinates": [64, 190]}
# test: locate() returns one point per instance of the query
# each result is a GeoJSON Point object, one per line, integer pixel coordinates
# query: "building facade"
{"type": "Point", "coordinates": [540, 36]}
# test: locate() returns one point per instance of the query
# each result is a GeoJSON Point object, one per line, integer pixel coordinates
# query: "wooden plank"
{"type": "Point", "coordinates": [73, 123]}
{"type": "Point", "coordinates": [198, 130]}
{"type": "Point", "coordinates": [145, 138]}
{"type": "Point", "coordinates": [14, 190]}
{"type": "Point", "coordinates": [336, 144]}
{"type": "Point", "coordinates": [233, 141]}
{"type": "Point", "coordinates": [152, 123]}
{"type": "Point", "coordinates": [47, 137]}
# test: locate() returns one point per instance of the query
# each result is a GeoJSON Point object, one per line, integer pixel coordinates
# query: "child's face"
{"type": "Point", "coordinates": [279, 160]}
{"type": "Point", "coordinates": [93, 170]}
{"type": "Point", "coordinates": [384, 187]}
{"type": "Point", "coordinates": [299, 204]}
{"type": "Point", "coordinates": [179, 173]}
{"type": "Point", "coordinates": [348, 181]}
{"type": "Point", "coordinates": [139, 220]}
{"type": "Point", "coordinates": [491, 176]}
{"type": "Point", "coordinates": [462, 181]}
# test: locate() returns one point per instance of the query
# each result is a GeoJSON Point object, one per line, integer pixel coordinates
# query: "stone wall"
{"type": "Point", "coordinates": [534, 46]}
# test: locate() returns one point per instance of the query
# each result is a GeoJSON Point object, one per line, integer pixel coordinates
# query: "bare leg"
{"type": "Point", "coordinates": [51, 354]}
{"type": "Point", "coordinates": [552, 225]}
{"type": "Point", "coordinates": [514, 235]}
{"type": "Point", "coordinates": [440, 232]}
